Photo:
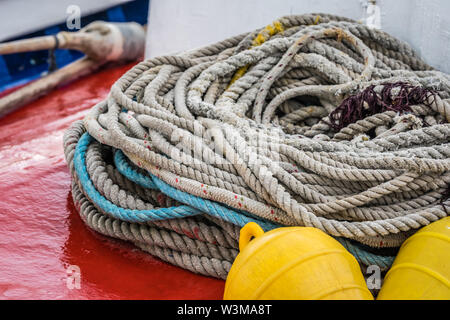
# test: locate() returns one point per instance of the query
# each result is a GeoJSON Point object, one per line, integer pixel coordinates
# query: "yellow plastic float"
{"type": "Point", "coordinates": [293, 263]}
{"type": "Point", "coordinates": [421, 269]}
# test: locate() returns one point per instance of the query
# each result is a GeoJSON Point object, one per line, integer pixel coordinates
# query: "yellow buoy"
{"type": "Point", "coordinates": [293, 263]}
{"type": "Point", "coordinates": [421, 269]}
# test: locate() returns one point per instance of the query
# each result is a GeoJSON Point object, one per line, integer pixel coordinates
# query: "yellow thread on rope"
{"type": "Point", "coordinates": [278, 26]}
{"type": "Point", "coordinates": [317, 20]}
{"type": "Point", "coordinates": [264, 35]}
{"type": "Point", "coordinates": [239, 73]}
{"type": "Point", "coordinates": [258, 40]}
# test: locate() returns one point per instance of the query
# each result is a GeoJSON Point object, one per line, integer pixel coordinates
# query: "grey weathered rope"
{"type": "Point", "coordinates": [264, 143]}
{"type": "Point", "coordinates": [199, 257]}
{"type": "Point", "coordinates": [190, 243]}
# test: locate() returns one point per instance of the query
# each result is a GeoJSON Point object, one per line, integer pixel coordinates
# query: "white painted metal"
{"type": "Point", "coordinates": [177, 25]}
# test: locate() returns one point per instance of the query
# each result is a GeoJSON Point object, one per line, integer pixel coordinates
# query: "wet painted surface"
{"type": "Point", "coordinates": [41, 234]}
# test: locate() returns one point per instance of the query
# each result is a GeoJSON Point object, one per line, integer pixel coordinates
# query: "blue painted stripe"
{"type": "Point", "coordinates": [116, 14]}
{"type": "Point", "coordinates": [4, 73]}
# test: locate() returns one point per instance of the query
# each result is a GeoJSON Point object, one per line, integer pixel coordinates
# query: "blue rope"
{"type": "Point", "coordinates": [194, 205]}
{"type": "Point", "coordinates": [239, 218]}
{"type": "Point", "coordinates": [105, 205]}
{"type": "Point", "coordinates": [210, 207]}
{"type": "Point", "coordinates": [127, 169]}
{"type": "Point", "coordinates": [365, 257]}
{"type": "Point", "coordinates": [130, 173]}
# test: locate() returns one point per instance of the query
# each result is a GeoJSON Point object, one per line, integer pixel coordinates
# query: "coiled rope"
{"type": "Point", "coordinates": [315, 120]}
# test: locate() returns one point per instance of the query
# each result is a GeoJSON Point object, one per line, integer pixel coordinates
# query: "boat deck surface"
{"type": "Point", "coordinates": [41, 234]}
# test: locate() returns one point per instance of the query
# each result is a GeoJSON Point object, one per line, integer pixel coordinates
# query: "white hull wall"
{"type": "Point", "coordinates": [177, 25]}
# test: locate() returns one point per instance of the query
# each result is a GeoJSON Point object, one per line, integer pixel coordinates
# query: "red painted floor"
{"type": "Point", "coordinates": [41, 234]}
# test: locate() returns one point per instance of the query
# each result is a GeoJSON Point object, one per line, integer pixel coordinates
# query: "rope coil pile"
{"type": "Point", "coordinates": [314, 120]}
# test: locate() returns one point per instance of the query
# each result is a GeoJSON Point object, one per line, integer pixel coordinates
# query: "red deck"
{"type": "Point", "coordinates": [41, 233]}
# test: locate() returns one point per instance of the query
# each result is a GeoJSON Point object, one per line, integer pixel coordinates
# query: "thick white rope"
{"type": "Point", "coordinates": [248, 124]}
